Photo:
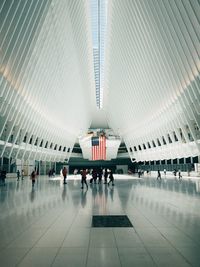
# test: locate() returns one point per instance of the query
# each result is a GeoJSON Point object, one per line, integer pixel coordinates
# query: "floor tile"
{"type": "Point", "coordinates": [162, 257]}
{"type": "Point", "coordinates": [77, 238]}
{"type": "Point", "coordinates": [152, 238]}
{"type": "Point", "coordinates": [51, 239]}
{"type": "Point", "coordinates": [28, 238]}
{"type": "Point", "coordinates": [73, 257]}
{"type": "Point", "coordinates": [192, 254]}
{"type": "Point", "coordinates": [11, 256]}
{"type": "Point", "coordinates": [103, 257]}
{"type": "Point", "coordinates": [135, 257]}
{"type": "Point", "coordinates": [127, 238]}
{"type": "Point", "coordinates": [39, 257]}
{"type": "Point", "coordinates": [102, 237]}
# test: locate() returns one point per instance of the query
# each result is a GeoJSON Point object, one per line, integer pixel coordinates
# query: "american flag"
{"type": "Point", "coordinates": [99, 148]}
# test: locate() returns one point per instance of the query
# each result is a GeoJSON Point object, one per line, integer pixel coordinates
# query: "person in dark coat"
{"type": "Point", "coordinates": [111, 177]}
{"type": "Point", "coordinates": [100, 173]}
{"type": "Point", "coordinates": [18, 175]}
{"type": "Point", "coordinates": [33, 177]}
{"type": "Point", "coordinates": [94, 176]}
{"type": "Point", "coordinates": [105, 176]}
{"type": "Point", "coordinates": [64, 173]}
{"type": "Point", "coordinates": [175, 173]}
{"type": "Point", "coordinates": [3, 176]}
{"type": "Point", "coordinates": [159, 175]}
{"type": "Point", "coordinates": [83, 178]}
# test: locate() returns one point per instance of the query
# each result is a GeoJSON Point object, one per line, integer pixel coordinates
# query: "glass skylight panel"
{"type": "Point", "coordinates": [98, 20]}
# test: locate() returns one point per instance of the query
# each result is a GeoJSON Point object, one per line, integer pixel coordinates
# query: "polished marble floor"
{"type": "Point", "coordinates": [51, 225]}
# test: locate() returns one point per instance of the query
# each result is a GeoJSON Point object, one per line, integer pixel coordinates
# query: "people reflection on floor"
{"type": "Point", "coordinates": [32, 195]}
{"type": "Point", "coordinates": [112, 193]}
{"type": "Point", "coordinates": [17, 187]}
{"type": "Point", "coordinates": [106, 192]}
{"type": "Point", "coordinates": [111, 178]}
{"type": "Point", "coordinates": [83, 198]}
{"type": "Point", "coordinates": [64, 193]}
{"type": "Point", "coordinates": [83, 178]}
{"type": "Point", "coordinates": [100, 190]}
{"type": "Point", "coordinates": [94, 191]}
{"type": "Point", "coordinates": [64, 173]}
{"type": "Point", "coordinates": [33, 178]}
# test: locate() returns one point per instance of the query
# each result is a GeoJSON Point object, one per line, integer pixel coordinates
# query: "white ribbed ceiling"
{"type": "Point", "coordinates": [47, 79]}
{"type": "Point", "coordinates": [152, 75]}
{"type": "Point", "coordinates": [46, 72]}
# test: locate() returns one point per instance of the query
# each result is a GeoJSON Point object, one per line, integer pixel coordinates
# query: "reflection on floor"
{"type": "Point", "coordinates": [51, 225]}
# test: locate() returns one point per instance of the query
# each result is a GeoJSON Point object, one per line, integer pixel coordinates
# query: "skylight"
{"type": "Point", "coordinates": [99, 22]}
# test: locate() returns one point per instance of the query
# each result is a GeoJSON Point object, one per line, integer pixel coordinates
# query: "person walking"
{"type": "Point", "coordinates": [175, 173]}
{"type": "Point", "coordinates": [100, 173]}
{"type": "Point", "coordinates": [159, 175]}
{"type": "Point", "coordinates": [18, 175]}
{"type": "Point", "coordinates": [105, 176]}
{"type": "Point", "coordinates": [64, 173]}
{"type": "Point", "coordinates": [111, 177]}
{"type": "Point", "coordinates": [3, 177]}
{"type": "Point", "coordinates": [94, 176]}
{"type": "Point", "coordinates": [83, 178]}
{"type": "Point", "coordinates": [33, 177]}
{"type": "Point", "coordinates": [179, 174]}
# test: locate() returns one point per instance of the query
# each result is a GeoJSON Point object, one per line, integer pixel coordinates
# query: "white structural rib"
{"type": "Point", "coordinates": [46, 77]}
{"type": "Point", "coordinates": [152, 92]}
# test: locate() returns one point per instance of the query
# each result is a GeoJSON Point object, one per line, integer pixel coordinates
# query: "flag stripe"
{"type": "Point", "coordinates": [99, 148]}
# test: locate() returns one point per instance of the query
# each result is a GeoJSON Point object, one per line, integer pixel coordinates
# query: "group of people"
{"type": "Point", "coordinates": [3, 176]}
{"type": "Point", "coordinates": [165, 172]}
{"type": "Point", "coordinates": [18, 175]}
{"type": "Point", "coordinates": [51, 172]}
{"type": "Point", "coordinates": [179, 173]}
{"type": "Point", "coordinates": [97, 174]}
